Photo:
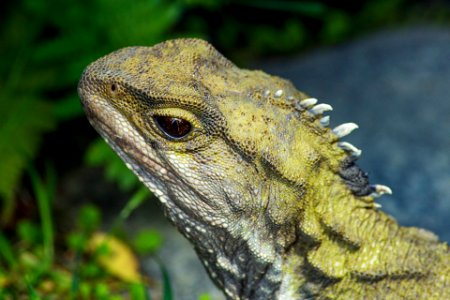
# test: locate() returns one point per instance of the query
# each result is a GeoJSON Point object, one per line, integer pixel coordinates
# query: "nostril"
{"type": "Point", "coordinates": [113, 87]}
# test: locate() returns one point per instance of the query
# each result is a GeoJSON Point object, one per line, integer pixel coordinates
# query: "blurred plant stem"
{"type": "Point", "coordinates": [44, 189]}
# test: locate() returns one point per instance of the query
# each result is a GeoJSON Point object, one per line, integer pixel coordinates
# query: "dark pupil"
{"type": "Point", "coordinates": [173, 127]}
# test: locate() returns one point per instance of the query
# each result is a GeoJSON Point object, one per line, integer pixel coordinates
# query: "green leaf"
{"type": "Point", "coordinates": [89, 218]}
{"type": "Point", "coordinates": [44, 192]}
{"type": "Point", "coordinates": [205, 297]}
{"type": "Point", "coordinates": [337, 25]}
{"type": "Point", "coordinates": [6, 251]}
{"type": "Point", "coordinates": [32, 293]}
{"type": "Point", "coordinates": [135, 201]}
{"type": "Point", "coordinates": [101, 291]}
{"type": "Point", "coordinates": [139, 291]}
{"type": "Point", "coordinates": [76, 241]}
{"type": "Point", "coordinates": [167, 286]}
{"type": "Point", "coordinates": [147, 241]}
{"type": "Point", "coordinates": [90, 270]}
{"type": "Point", "coordinates": [28, 232]}
{"type": "Point", "coordinates": [85, 290]}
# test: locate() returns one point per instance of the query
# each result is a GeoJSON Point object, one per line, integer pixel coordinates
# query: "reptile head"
{"type": "Point", "coordinates": [231, 153]}
{"type": "Point", "coordinates": [212, 141]}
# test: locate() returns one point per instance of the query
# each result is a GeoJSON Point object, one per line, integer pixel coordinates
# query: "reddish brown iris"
{"type": "Point", "coordinates": [175, 128]}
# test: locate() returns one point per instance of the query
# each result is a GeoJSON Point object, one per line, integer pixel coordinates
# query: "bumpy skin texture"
{"type": "Point", "coordinates": [267, 194]}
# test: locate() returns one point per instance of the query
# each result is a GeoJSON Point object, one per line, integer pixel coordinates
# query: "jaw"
{"type": "Point", "coordinates": [128, 143]}
{"type": "Point", "coordinates": [180, 199]}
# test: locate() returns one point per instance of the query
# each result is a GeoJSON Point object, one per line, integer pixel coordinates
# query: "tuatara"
{"type": "Point", "coordinates": [249, 171]}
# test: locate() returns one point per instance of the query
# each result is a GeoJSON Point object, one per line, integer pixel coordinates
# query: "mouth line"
{"type": "Point", "coordinates": [132, 155]}
{"type": "Point", "coordinates": [148, 170]}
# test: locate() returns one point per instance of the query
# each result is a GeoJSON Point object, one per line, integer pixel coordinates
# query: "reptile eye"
{"type": "Point", "coordinates": [113, 87]}
{"type": "Point", "coordinates": [172, 127]}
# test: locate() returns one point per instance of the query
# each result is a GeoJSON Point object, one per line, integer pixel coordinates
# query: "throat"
{"type": "Point", "coordinates": [236, 268]}
{"type": "Point", "coordinates": [239, 272]}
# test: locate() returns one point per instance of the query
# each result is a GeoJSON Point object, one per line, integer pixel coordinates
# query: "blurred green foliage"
{"type": "Point", "coordinates": [147, 241]}
{"type": "Point", "coordinates": [29, 269]}
{"type": "Point", "coordinates": [46, 44]}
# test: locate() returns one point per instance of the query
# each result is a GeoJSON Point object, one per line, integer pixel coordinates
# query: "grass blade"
{"type": "Point", "coordinates": [44, 195]}
{"type": "Point", "coordinates": [136, 200]}
{"type": "Point", "coordinates": [167, 286]}
{"type": "Point", "coordinates": [6, 251]}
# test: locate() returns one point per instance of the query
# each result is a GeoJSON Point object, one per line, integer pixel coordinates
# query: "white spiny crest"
{"type": "Point", "coordinates": [320, 109]}
{"type": "Point", "coordinates": [278, 94]}
{"type": "Point", "coordinates": [325, 121]}
{"type": "Point", "coordinates": [315, 110]}
{"type": "Point", "coordinates": [379, 190]}
{"type": "Point", "coordinates": [344, 129]}
{"type": "Point", "coordinates": [346, 146]}
{"type": "Point", "coordinates": [306, 103]}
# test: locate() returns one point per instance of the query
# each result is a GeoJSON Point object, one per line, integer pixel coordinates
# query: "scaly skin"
{"type": "Point", "coordinates": [268, 195]}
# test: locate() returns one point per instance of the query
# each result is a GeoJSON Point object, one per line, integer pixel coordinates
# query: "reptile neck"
{"type": "Point", "coordinates": [241, 268]}
{"type": "Point", "coordinates": [230, 262]}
